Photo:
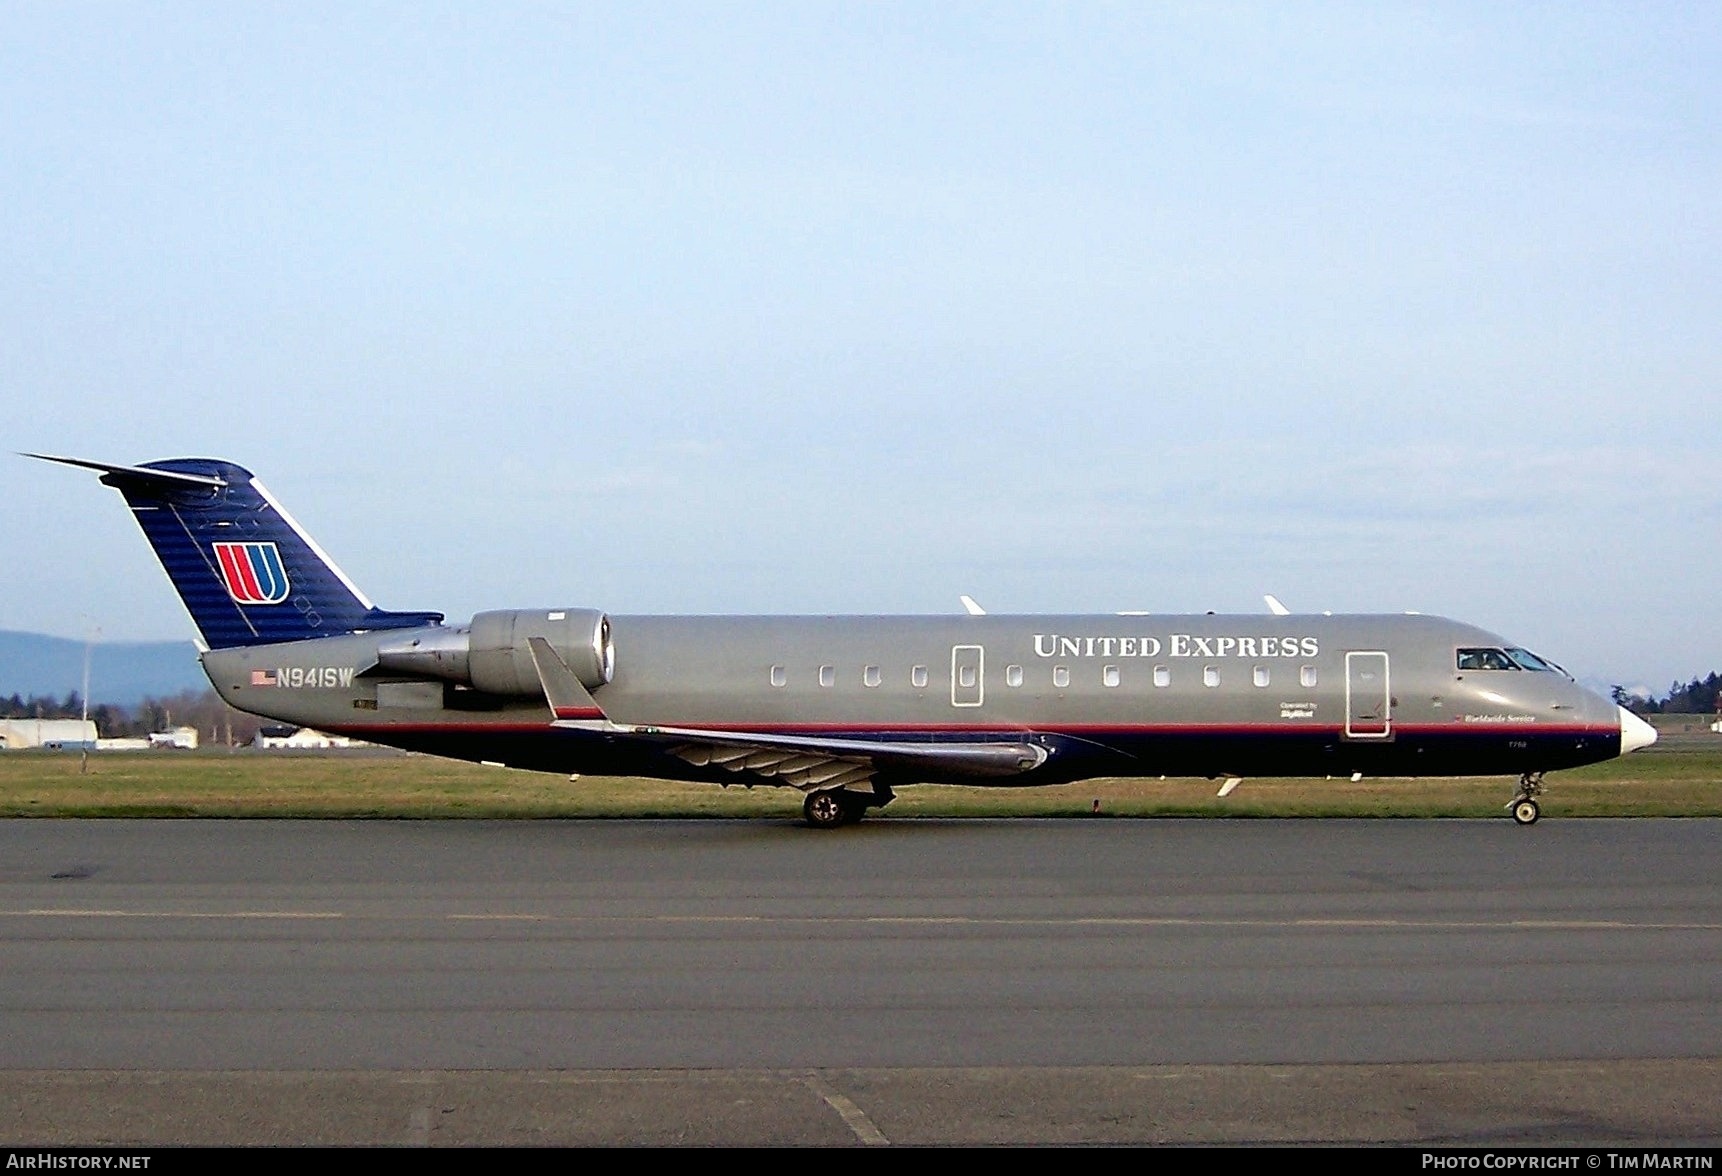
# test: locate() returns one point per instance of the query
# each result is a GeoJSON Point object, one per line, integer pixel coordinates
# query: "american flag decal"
{"type": "Point", "coordinates": [252, 572]}
{"type": "Point", "coordinates": [263, 677]}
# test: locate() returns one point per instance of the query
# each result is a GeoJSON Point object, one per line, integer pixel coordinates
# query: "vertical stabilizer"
{"type": "Point", "coordinates": [247, 572]}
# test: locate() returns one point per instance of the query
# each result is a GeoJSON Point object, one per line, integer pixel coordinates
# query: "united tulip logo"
{"type": "Point", "coordinates": [252, 572]}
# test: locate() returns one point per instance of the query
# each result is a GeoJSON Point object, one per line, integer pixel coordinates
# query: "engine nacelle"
{"type": "Point", "coordinates": [501, 662]}
{"type": "Point", "coordinates": [492, 654]}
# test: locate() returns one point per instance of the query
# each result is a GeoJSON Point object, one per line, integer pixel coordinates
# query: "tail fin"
{"type": "Point", "coordinates": [246, 571]}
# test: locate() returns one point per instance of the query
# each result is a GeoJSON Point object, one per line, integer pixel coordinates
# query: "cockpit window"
{"type": "Point", "coordinates": [1526, 660]}
{"type": "Point", "coordinates": [1485, 659]}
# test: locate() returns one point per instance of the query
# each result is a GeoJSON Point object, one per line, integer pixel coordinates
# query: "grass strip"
{"type": "Point", "coordinates": [1680, 779]}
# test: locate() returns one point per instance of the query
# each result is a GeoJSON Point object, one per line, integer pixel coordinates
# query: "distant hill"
{"type": "Point", "coordinates": [121, 672]}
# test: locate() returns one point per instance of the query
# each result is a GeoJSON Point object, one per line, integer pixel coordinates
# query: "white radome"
{"type": "Point", "coordinates": [1634, 732]}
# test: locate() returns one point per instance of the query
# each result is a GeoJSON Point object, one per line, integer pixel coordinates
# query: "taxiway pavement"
{"type": "Point", "coordinates": [898, 981]}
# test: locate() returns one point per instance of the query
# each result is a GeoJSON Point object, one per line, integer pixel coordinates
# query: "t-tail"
{"type": "Point", "coordinates": [248, 574]}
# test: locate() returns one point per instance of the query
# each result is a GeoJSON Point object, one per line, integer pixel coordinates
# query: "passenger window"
{"type": "Point", "coordinates": [918, 677]}
{"type": "Point", "coordinates": [870, 677]}
{"type": "Point", "coordinates": [1261, 675]}
{"type": "Point", "coordinates": [1162, 675]}
{"type": "Point", "coordinates": [779, 676]}
{"type": "Point", "coordinates": [1013, 675]}
{"type": "Point", "coordinates": [1061, 676]}
{"type": "Point", "coordinates": [1210, 676]}
{"type": "Point", "coordinates": [1307, 676]}
{"type": "Point", "coordinates": [828, 675]}
{"type": "Point", "coordinates": [1109, 676]}
{"type": "Point", "coordinates": [966, 677]}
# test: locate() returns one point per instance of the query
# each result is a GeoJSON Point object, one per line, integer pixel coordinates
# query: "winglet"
{"type": "Point", "coordinates": [568, 699]}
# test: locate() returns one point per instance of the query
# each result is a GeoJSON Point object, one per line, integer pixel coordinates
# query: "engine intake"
{"type": "Point", "coordinates": [491, 653]}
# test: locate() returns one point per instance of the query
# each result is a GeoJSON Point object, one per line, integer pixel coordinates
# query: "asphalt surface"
{"type": "Point", "coordinates": [1088, 981]}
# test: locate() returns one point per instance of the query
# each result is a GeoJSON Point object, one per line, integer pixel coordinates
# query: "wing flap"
{"type": "Point", "coordinates": [814, 761]}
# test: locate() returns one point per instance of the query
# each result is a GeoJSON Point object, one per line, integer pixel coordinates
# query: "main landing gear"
{"type": "Point", "coordinates": [1524, 805]}
{"type": "Point", "coordinates": [833, 808]}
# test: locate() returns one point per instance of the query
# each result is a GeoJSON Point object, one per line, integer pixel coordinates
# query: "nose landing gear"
{"type": "Point", "coordinates": [1524, 805]}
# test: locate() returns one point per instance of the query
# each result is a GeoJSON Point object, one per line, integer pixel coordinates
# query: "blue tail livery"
{"type": "Point", "coordinates": [247, 572]}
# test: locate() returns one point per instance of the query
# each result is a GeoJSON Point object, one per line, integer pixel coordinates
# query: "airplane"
{"type": "Point", "coordinates": [848, 709]}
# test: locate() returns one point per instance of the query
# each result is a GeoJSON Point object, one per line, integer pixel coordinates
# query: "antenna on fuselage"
{"type": "Point", "coordinates": [973, 609]}
{"type": "Point", "coordinates": [1275, 607]}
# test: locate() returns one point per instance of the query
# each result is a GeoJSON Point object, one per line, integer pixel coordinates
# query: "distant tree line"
{"type": "Point", "coordinates": [1701, 696]}
{"type": "Point", "coordinates": [214, 719]}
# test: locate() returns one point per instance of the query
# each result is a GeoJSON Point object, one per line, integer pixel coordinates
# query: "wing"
{"type": "Point", "coordinates": [812, 762]}
{"type": "Point", "coordinates": [808, 762]}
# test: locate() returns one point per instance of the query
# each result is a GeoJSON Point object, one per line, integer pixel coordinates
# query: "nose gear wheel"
{"type": "Point", "coordinates": [1524, 806]}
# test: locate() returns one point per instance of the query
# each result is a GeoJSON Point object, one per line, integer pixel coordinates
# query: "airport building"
{"type": "Point", "coordinates": [80, 735]}
{"type": "Point", "coordinates": [299, 738]}
{"type": "Point", "coordinates": [24, 734]}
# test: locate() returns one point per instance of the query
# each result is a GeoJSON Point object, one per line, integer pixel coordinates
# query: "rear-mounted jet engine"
{"type": "Point", "coordinates": [491, 654]}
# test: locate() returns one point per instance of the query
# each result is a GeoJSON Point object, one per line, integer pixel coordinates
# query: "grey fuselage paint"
{"type": "Point", "coordinates": [1102, 695]}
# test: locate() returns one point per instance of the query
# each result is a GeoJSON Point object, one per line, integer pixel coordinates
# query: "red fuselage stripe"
{"type": "Point", "coordinates": [1078, 729]}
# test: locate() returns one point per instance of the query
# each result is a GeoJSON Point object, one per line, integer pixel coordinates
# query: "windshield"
{"type": "Point", "coordinates": [1485, 659]}
{"type": "Point", "coordinates": [1526, 660]}
{"type": "Point", "coordinates": [1506, 659]}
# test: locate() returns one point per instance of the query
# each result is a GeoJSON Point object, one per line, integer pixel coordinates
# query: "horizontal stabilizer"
{"type": "Point", "coordinates": [113, 473]}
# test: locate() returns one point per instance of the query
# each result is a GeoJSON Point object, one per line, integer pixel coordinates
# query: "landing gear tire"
{"type": "Point", "coordinates": [830, 810]}
{"type": "Point", "coordinates": [1524, 805]}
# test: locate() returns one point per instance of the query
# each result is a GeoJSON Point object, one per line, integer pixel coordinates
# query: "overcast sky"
{"type": "Point", "coordinates": [734, 308]}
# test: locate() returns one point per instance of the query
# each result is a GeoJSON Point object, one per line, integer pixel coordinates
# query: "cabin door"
{"type": "Point", "coordinates": [1368, 700]}
{"type": "Point", "coordinates": [968, 666]}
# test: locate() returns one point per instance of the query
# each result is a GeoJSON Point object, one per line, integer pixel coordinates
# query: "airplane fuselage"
{"type": "Point", "coordinates": [1102, 695]}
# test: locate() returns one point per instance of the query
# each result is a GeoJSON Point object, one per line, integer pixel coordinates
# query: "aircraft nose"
{"type": "Point", "coordinates": [1634, 731]}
